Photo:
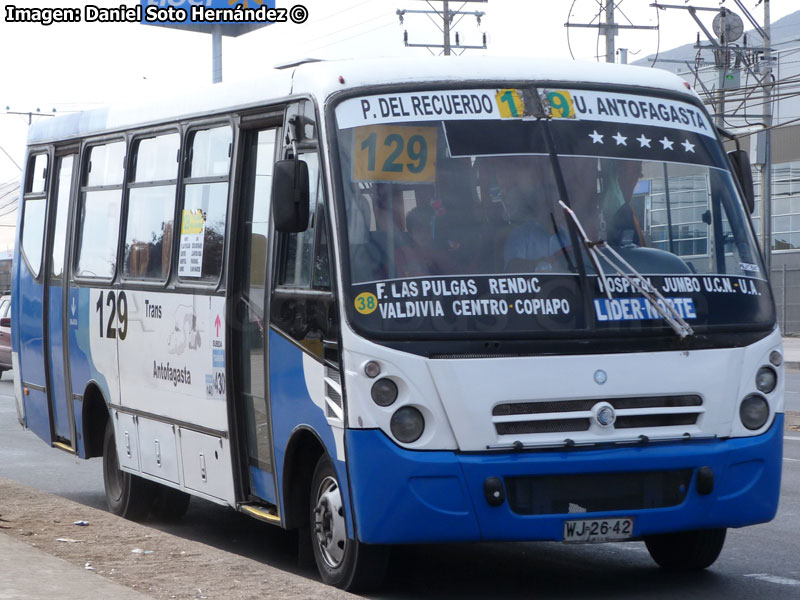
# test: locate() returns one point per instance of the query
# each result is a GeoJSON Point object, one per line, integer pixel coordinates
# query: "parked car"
{"type": "Point", "coordinates": [5, 334]}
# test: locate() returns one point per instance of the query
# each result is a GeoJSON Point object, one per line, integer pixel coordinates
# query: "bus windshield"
{"type": "Point", "coordinates": [453, 221]}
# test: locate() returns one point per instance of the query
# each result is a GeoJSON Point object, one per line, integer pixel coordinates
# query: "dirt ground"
{"type": "Point", "coordinates": [152, 562]}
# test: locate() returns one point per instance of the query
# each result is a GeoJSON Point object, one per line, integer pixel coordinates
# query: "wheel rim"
{"type": "Point", "coordinates": [113, 475]}
{"type": "Point", "coordinates": [329, 524]}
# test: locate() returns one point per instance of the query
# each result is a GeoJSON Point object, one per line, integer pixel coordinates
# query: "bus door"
{"type": "Point", "coordinates": [27, 307]}
{"type": "Point", "coordinates": [304, 379]}
{"type": "Point", "coordinates": [249, 306]}
{"type": "Point", "coordinates": [57, 311]}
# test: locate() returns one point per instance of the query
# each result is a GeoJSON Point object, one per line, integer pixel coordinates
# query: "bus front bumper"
{"type": "Point", "coordinates": [402, 496]}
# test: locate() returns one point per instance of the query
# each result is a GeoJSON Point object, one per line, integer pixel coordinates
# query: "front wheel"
{"type": "Point", "coordinates": [342, 562]}
{"type": "Point", "coordinates": [127, 495]}
{"type": "Point", "coordinates": [686, 550]}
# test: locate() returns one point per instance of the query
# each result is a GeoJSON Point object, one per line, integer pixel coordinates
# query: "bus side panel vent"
{"type": "Point", "coordinates": [333, 393]}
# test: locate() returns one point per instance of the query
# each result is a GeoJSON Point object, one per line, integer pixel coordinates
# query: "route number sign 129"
{"type": "Point", "coordinates": [394, 153]}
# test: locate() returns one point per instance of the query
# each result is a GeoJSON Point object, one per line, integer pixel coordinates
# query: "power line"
{"type": "Point", "coordinates": [348, 38]}
{"type": "Point", "coordinates": [11, 159]}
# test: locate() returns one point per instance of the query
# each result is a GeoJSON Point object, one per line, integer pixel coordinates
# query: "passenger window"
{"type": "Point", "coordinates": [151, 208]}
{"type": "Point", "coordinates": [211, 150]}
{"type": "Point", "coordinates": [63, 193]}
{"type": "Point", "coordinates": [205, 205]}
{"type": "Point", "coordinates": [38, 174]}
{"type": "Point", "coordinates": [35, 202]}
{"type": "Point", "coordinates": [297, 264]}
{"type": "Point", "coordinates": [100, 211]}
{"type": "Point", "coordinates": [106, 165]}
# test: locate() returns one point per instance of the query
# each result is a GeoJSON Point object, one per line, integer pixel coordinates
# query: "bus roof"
{"type": "Point", "coordinates": [323, 78]}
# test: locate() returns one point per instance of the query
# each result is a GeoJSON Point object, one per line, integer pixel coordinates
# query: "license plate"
{"type": "Point", "coordinates": [598, 530]}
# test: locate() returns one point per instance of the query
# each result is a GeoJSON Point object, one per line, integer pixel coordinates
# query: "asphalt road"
{"type": "Point", "coordinates": [760, 561]}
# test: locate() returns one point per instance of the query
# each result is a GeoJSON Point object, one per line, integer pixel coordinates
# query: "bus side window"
{"type": "Point", "coordinates": [321, 278]}
{"type": "Point", "coordinates": [35, 212]}
{"type": "Point", "coordinates": [151, 208]}
{"type": "Point", "coordinates": [100, 210]}
{"type": "Point", "coordinates": [303, 270]}
{"type": "Point", "coordinates": [297, 258]}
{"type": "Point", "coordinates": [64, 167]}
{"type": "Point", "coordinates": [205, 205]}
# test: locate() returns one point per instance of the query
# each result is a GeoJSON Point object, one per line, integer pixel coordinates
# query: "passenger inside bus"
{"type": "Point", "coordinates": [530, 195]}
{"type": "Point", "coordinates": [457, 228]}
{"type": "Point", "coordinates": [420, 256]}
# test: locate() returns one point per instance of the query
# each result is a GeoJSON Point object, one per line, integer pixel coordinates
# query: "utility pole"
{"type": "Point", "coordinates": [449, 19]}
{"type": "Point", "coordinates": [610, 28]}
{"type": "Point", "coordinates": [610, 31]}
{"type": "Point", "coordinates": [723, 60]}
{"type": "Point", "coordinates": [446, 26]}
{"type": "Point", "coordinates": [766, 180]}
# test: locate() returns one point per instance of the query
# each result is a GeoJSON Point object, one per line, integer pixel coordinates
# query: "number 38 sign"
{"type": "Point", "coordinates": [394, 153]}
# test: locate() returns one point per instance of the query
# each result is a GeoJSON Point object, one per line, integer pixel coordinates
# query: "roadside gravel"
{"type": "Point", "coordinates": [152, 562]}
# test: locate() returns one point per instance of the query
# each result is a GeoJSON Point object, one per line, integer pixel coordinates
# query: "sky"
{"type": "Point", "coordinates": [75, 66]}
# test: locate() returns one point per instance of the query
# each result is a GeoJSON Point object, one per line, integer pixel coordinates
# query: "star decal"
{"type": "Point", "coordinates": [597, 138]}
{"type": "Point", "coordinates": [620, 139]}
{"type": "Point", "coordinates": [643, 141]}
{"type": "Point", "coordinates": [667, 144]}
{"type": "Point", "coordinates": [688, 146]}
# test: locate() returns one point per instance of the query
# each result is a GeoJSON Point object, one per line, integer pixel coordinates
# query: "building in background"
{"type": "Point", "coordinates": [744, 107]}
{"type": "Point", "coordinates": [9, 198]}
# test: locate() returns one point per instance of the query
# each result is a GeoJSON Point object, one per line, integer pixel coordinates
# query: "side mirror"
{"type": "Point", "coordinates": [5, 322]}
{"type": "Point", "coordinates": [290, 196]}
{"type": "Point", "coordinates": [740, 162]}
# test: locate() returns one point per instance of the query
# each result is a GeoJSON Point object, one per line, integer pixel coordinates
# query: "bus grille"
{"type": "Point", "coordinates": [595, 492]}
{"type": "Point", "coordinates": [517, 418]}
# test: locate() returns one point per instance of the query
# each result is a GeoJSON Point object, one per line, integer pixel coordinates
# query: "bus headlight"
{"type": "Point", "coordinates": [384, 392]}
{"type": "Point", "coordinates": [407, 424]}
{"type": "Point", "coordinates": [754, 411]}
{"type": "Point", "coordinates": [766, 380]}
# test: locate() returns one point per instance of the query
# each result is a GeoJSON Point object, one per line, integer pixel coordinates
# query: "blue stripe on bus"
{"type": "Point", "coordinates": [27, 333]}
{"type": "Point", "coordinates": [81, 366]}
{"type": "Point", "coordinates": [291, 407]}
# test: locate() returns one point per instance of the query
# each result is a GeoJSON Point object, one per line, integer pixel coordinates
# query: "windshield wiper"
{"type": "Point", "coordinates": [598, 250]}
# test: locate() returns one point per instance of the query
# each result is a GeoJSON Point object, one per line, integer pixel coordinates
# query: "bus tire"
{"type": "Point", "coordinates": [342, 562]}
{"type": "Point", "coordinates": [686, 550]}
{"type": "Point", "coordinates": [127, 495]}
{"type": "Point", "coordinates": [170, 504]}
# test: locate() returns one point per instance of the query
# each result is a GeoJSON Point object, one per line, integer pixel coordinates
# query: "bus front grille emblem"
{"type": "Point", "coordinates": [603, 414]}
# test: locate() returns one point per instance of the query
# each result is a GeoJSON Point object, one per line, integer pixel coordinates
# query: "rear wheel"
{"type": "Point", "coordinates": [127, 495]}
{"type": "Point", "coordinates": [686, 550]}
{"type": "Point", "coordinates": [343, 562]}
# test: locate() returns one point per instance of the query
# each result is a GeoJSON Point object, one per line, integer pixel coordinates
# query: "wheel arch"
{"type": "Point", "coordinates": [300, 459]}
{"type": "Point", "coordinates": [94, 418]}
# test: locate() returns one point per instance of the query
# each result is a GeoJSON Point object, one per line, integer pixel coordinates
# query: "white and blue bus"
{"type": "Point", "coordinates": [393, 302]}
